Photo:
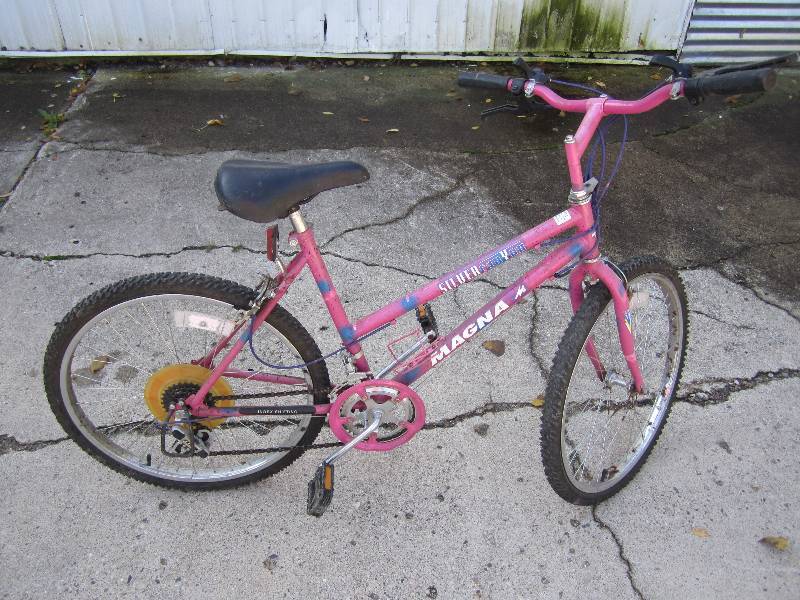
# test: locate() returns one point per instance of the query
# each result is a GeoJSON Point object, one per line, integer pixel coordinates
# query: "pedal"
{"type": "Point", "coordinates": [427, 322]}
{"type": "Point", "coordinates": [320, 490]}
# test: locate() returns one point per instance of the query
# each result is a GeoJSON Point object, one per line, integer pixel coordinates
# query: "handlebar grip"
{"type": "Point", "coordinates": [483, 80]}
{"type": "Point", "coordinates": [737, 82]}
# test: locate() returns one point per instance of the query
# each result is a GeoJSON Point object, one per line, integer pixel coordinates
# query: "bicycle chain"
{"type": "Point", "coordinates": [274, 448]}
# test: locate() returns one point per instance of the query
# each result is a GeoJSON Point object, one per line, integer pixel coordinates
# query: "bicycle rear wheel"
{"type": "Point", "coordinates": [596, 435]}
{"type": "Point", "coordinates": [122, 355]}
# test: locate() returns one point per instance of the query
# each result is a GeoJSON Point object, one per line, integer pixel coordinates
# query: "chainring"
{"type": "Point", "coordinates": [403, 414]}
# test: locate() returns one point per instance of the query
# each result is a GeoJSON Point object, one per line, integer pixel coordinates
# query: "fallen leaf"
{"type": "Point", "coordinates": [413, 65]}
{"type": "Point", "coordinates": [522, 116]}
{"type": "Point", "coordinates": [327, 113]}
{"type": "Point", "coordinates": [366, 78]}
{"type": "Point", "coordinates": [214, 123]}
{"type": "Point", "coordinates": [117, 96]}
{"type": "Point", "coordinates": [451, 93]}
{"type": "Point", "coordinates": [475, 127]}
{"type": "Point", "coordinates": [700, 532]}
{"type": "Point", "coordinates": [393, 130]}
{"type": "Point", "coordinates": [481, 429]}
{"type": "Point", "coordinates": [99, 362]}
{"type": "Point", "coordinates": [538, 401]}
{"type": "Point", "coordinates": [562, 114]}
{"type": "Point", "coordinates": [363, 119]}
{"type": "Point", "coordinates": [776, 541]}
{"type": "Point", "coordinates": [655, 76]}
{"type": "Point", "coordinates": [733, 99]}
{"type": "Point", "coordinates": [349, 63]}
{"type": "Point", "coordinates": [488, 101]}
{"type": "Point", "coordinates": [232, 78]}
{"type": "Point", "coordinates": [293, 91]}
{"type": "Point", "coordinates": [600, 84]}
{"type": "Point", "coordinates": [496, 347]}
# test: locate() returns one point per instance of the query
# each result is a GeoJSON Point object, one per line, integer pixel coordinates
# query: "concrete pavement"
{"type": "Point", "coordinates": [458, 512]}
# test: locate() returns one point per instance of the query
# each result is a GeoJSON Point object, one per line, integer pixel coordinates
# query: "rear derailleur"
{"type": "Point", "coordinates": [183, 439]}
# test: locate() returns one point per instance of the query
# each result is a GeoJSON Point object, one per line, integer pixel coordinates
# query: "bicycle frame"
{"type": "Point", "coordinates": [582, 249]}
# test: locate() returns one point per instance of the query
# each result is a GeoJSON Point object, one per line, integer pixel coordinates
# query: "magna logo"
{"type": "Point", "coordinates": [459, 339]}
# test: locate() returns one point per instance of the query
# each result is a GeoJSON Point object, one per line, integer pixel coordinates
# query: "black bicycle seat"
{"type": "Point", "coordinates": [265, 191]}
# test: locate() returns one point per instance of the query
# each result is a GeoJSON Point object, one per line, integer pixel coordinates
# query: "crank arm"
{"type": "Point", "coordinates": [320, 488]}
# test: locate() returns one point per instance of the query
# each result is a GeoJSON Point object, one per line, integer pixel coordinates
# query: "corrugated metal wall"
{"type": "Point", "coordinates": [343, 26]}
{"type": "Point", "coordinates": [723, 31]}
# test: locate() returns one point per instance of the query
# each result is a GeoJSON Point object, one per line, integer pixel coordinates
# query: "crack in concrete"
{"type": "Point", "coordinates": [620, 552]}
{"type": "Point", "coordinates": [8, 443]}
{"type": "Point", "coordinates": [737, 252]}
{"type": "Point", "coordinates": [722, 321]}
{"type": "Point", "coordinates": [708, 392]}
{"type": "Point", "coordinates": [47, 151]}
{"type": "Point", "coordinates": [742, 282]}
{"type": "Point", "coordinates": [711, 176]}
{"type": "Point", "coordinates": [484, 409]}
{"type": "Point", "coordinates": [371, 264]}
{"type": "Point", "coordinates": [60, 257]}
{"type": "Point", "coordinates": [696, 396]}
{"type": "Point", "coordinates": [458, 304]}
{"type": "Point", "coordinates": [42, 143]}
{"type": "Point", "coordinates": [540, 363]}
{"type": "Point", "coordinates": [407, 213]}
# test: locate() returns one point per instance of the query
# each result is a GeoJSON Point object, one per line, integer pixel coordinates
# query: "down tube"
{"type": "Point", "coordinates": [497, 306]}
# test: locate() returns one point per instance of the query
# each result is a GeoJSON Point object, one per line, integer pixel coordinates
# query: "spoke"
{"type": "Point", "coordinates": [171, 333]}
{"type": "Point", "coordinates": [121, 338]}
{"type": "Point", "coordinates": [158, 330]}
{"type": "Point", "coordinates": [114, 360]}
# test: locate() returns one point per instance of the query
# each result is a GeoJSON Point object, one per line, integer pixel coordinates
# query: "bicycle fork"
{"type": "Point", "coordinates": [597, 269]}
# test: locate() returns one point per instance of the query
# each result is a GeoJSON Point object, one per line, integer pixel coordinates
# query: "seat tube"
{"type": "Point", "coordinates": [319, 271]}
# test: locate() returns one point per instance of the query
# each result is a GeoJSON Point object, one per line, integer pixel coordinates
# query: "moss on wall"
{"type": "Point", "coordinates": [578, 25]}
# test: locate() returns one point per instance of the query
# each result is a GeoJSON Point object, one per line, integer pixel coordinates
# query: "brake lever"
{"type": "Point", "coordinates": [775, 61]}
{"type": "Point", "coordinates": [512, 108]}
{"type": "Point", "coordinates": [523, 107]}
{"type": "Point", "coordinates": [678, 69]}
{"type": "Point", "coordinates": [520, 63]}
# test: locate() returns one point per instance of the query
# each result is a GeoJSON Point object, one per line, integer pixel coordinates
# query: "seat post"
{"type": "Point", "coordinates": [298, 222]}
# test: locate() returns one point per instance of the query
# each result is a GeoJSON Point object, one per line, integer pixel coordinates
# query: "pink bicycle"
{"type": "Point", "coordinates": [150, 375]}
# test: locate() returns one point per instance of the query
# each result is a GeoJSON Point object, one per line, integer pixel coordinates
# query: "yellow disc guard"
{"type": "Point", "coordinates": [171, 375]}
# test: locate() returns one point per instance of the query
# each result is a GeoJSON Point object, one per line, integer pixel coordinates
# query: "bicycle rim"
{"type": "Point", "coordinates": [110, 360]}
{"type": "Point", "coordinates": [607, 430]}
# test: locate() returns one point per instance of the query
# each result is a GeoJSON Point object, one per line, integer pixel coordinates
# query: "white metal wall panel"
{"type": "Point", "coordinates": [344, 26]}
{"type": "Point", "coordinates": [726, 31]}
{"type": "Point", "coordinates": [481, 18]}
{"type": "Point", "coordinates": [507, 24]}
{"type": "Point", "coordinates": [27, 25]}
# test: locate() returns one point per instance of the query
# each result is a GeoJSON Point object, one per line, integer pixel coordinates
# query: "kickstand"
{"type": "Point", "coordinates": [320, 488]}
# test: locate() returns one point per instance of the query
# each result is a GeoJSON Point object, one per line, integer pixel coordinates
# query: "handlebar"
{"type": "Point", "coordinates": [483, 80]}
{"type": "Point", "coordinates": [736, 82]}
{"type": "Point", "coordinates": [732, 79]}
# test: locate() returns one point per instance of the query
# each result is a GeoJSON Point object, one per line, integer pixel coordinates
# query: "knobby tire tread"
{"type": "Point", "coordinates": [177, 283]}
{"type": "Point", "coordinates": [569, 350]}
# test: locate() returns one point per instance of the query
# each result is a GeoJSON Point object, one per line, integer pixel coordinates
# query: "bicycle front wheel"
{"type": "Point", "coordinates": [125, 354]}
{"type": "Point", "coordinates": [597, 433]}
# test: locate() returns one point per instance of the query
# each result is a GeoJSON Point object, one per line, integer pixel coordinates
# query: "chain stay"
{"type": "Point", "coordinates": [274, 448]}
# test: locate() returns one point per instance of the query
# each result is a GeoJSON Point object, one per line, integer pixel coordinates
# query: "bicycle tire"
{"type": "Point", "coordinates": [559, 462]}
{"type": "Point", "coordinates": [159, 285]}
